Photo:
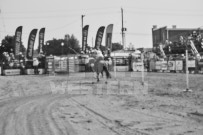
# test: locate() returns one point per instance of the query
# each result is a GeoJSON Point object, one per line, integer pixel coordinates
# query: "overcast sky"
{"type": "Point", "coordinates": [61, 17]}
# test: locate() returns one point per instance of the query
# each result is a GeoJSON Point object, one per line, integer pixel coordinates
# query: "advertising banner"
{"type": "Point", "coordinates": [84, 37]}
{"type": "Point", "coordinates": [137, 66]}
{"type": "Point", "coordinates": [99, 37]}
{"type": "Point", "coordinates": [31, 41]}
{"type": "Point", "coordinates": [152, 65]}
{"type": "Point", "coordinates": [122, 68]}
{"type": "Point", "coordinates": [158, 65]}
{"type": "Point", "coordinates": [191, 64]}
{"type": "Point", "coordinates": [200, 63]}
{"type": "Point", "coordinates": [50, 65]}
{"type": "Point", "coordinates": [32, 72]}
{"type": "Point", "coordinates": [179, 65]}
{"type": "Point", "coordinates": [164, 65]}
{"type": "Point", "coordinates": [11, 72]}
{"type": "Point", "coordinates": [71, 65]}
{"type": "Point", "coordinates": [60, 64]}
{"type": "Point", "coordinates": [17, 40]}
{"type": "Point", "coordinates": [108, 42]}
{"type": "Point", "coordinates": [41, 40]}
{"type": "Point", "coordinates": [171, 65]}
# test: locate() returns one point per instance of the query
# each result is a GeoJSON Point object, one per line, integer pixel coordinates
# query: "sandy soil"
{"type": "Point", "coordinates": [76, 105]}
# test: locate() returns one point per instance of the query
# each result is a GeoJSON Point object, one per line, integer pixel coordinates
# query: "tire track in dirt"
{"type": "Point", "coordinates": [6, 117]}
{"type": "Point", "coordinates": [112, 125]}
{"type": "Point", "coordinates": [30, 116]}
{"type": "Point", "coordinates": [50, 120]}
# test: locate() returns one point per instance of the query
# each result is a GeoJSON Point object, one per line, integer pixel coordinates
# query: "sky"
{"type": "Point", "coordinates": [61, 17]}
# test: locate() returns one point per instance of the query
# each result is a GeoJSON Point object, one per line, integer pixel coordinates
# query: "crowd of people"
{"type": "Point", "coordinates": [10, 61]}
{"type": "Point", "coordinates": [180, 46]}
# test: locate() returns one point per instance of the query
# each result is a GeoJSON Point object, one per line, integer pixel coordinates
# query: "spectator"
{"type": "Point", "coordinates": [35, 65]}
{"type": "Point", "coordinates": [41, 59]}
{"type": "Point", "coordinates": [130, 57]}
{"type": "Point", "coordinates": [22, 67]}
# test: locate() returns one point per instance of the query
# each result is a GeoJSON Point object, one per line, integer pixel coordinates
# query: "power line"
{"type": "Point", "coordinates": [138, 34]}
{"type": "Point", "coordinates": [66, 25]}
{"type": "Point", "coordinates": [58, 16]}
{"type": "Point", "coordinates": [73, 14]}
{"type": "Point", "coordinates": [100, 9]}
{"type": "Point", "coordinates": [42, 17]}
{"type": "Point", "coordinates": [57, 11]}
{"type": "Point", "coordinates": [49, 30]}
{"type": "Point", "coordinates": [165, 9]}
{"type": "Point", "coordinates": [164, 14]}
{"type": "Point", "coordinates": [133, 33]}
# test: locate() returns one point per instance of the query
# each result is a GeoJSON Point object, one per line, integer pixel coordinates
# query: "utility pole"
{"type": "Point", "coordinates": [123, 30]}
{"type": "Point", "coordinates": [82, 32]}
{"type": "Point", "coordinates": [0, 33]}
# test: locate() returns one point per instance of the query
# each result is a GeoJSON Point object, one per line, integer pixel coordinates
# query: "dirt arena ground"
{"type": "Point", "coordinates": [75, 104]}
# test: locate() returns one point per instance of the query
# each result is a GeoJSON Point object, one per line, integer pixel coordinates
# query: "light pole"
{"type": "Point", "coordinates": [46, 48]}
{"type": "Point", "coordinates": [62, 44]}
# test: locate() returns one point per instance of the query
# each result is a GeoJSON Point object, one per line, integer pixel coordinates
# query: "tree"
{"type": "Point", "coordinates": [116, 46]}
{"type": "Point", "coordinates": [54, 47]}
{"type": "Point", "coordinates": [70, 46]}
{"type": "Point", "coordinates": [7, 45]}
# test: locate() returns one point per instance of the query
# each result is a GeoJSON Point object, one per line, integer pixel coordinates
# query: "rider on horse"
{"type": "Point", "coordinates": [100, 64]}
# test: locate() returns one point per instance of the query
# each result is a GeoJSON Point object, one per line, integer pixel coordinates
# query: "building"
{"type": "Point", "coordinates": [161, 35]}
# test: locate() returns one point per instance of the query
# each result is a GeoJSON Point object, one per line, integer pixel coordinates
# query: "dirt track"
{"type": "Point", "coordinates": [57, 115]}
{"type": "Point", "coordinates": [29, 116]}
{"type": "Point", "coordinates": [40, 105]}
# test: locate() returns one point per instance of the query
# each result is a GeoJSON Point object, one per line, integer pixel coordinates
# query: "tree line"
{"type": "Point", "coordinates": [68, 45]}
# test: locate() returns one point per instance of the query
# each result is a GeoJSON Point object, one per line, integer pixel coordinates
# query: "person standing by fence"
{"type": "Point", "coordinates": [35, 65]}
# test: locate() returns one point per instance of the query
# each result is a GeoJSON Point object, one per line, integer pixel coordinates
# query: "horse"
{"type": "Point", "coordinates": [99, 65]}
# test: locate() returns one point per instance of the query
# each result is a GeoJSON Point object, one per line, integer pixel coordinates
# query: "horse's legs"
{"type": "Point", "coordinates": [102, 73]}
{"type": "Point", "coordinates": [108, 75]}
{"type": "Point", "coordinates": [97, 77]}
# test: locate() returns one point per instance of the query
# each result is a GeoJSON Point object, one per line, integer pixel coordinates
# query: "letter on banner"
{"type": "Point", "coordinates": [84, 37]}
{"type": "Point", "coordinates": [109, 31]}
{"type": "Point", "coordinates": [41, 40]}
{"type": "Point", "coordinates": [31, 41]}
{"type": "Point", "coordinates": [99, 37]}
{"type": "Point", "coordinates": [17, 42]}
